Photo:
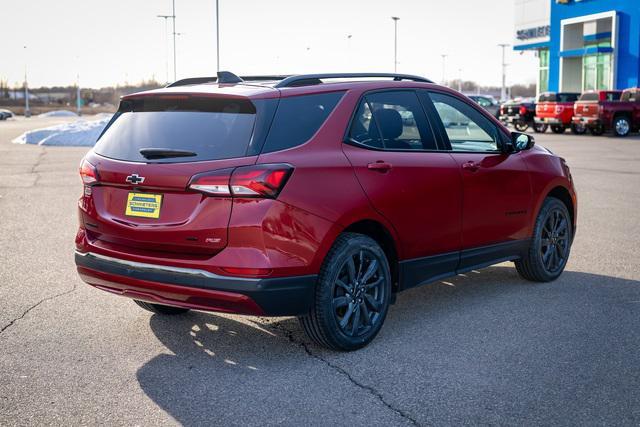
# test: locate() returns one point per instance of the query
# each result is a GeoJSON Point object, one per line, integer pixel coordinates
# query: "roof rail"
{"type": "Point", "coordinates": [313, 79]}
{"type": "Point", "coordinates": [226, 77]}
{"type": "Point", "coordinates": [291, 81]}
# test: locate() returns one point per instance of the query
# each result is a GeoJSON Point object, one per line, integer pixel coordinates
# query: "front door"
{"type": "Point", "coordinates": [496, 196]}
{"type": "Point", "coordinates": [408, 181]}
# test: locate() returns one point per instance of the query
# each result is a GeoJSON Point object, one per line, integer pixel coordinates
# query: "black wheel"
{"type": "Point", "coordinates": [578, 129]}
{"type": "Point", "coordinates": [621, 126]}
{"type": "Point", "coordinates": [551, 243]}
{"type": "Point", "coordinates": [521, 126]}
{"type": "Point", "coordinates": [540, 127]}
{"type": "Point", "coordinates": [596, 130]}
{"type": "Point", "coordinates": [557, 129]}
{"type": "Point", "coordinates": [161, 309]}
{"type": "Point", "coordinates": [352, 294]}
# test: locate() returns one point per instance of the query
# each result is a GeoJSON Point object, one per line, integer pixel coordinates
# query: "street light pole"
{"type": "Point", "coordinates": [175, 73]}
{"type": "Point", "coordinates": [444, 60]}
{"type": "Point", "coordinates": [503, 92]}
{"type": "Point", "coordinates": [27, 111]}
{"type": "Point", "coordinates": [395, 43]}
{"type": "Point", "coordinates": [166, 46]}
{"type": "Point", "coordinates": [217, 36]}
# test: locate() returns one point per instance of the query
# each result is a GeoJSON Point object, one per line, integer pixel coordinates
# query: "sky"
{"type": "Point", "coordinates": [105, 43]}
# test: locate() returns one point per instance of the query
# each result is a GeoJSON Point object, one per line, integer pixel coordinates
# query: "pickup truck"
{"type": "Point", "coordinates": [556, 110]}
{"type": "Point", "coordinates": [607, 113]}
{"type": "Point", "coordinates": [586, 110]}
{"type": "Point", "coordinates": [518, 112]}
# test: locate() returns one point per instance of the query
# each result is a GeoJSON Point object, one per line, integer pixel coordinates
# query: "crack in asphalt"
{"type": "Point", "coordinates": [36, 164]}
{"type": "Point", "coordinates": [24, 313]}
{"type": "Point", "coordinates": [375, 393]}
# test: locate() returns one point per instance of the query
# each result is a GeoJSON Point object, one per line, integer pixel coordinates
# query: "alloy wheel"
{"type": "Point", "coordinates": [359, 293]}
{"type": "Point", "coordinates": [622, 126]}
{"type": "Point", "coordinates": [554, 242]}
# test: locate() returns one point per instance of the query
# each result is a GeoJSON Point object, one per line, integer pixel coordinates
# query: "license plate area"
{"type": "Point", "coordinates": [143, 205]}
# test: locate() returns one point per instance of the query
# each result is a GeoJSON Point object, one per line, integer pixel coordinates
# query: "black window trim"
{"type": "Point", "coordinates": [363, 98]}
{"type": "Point", "coordinates": [426, 99]}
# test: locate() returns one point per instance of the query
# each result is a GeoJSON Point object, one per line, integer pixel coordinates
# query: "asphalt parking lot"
{"type": "Point", "coordinates": [482, 348]}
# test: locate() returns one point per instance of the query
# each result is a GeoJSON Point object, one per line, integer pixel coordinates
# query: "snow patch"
{"type": "Point", "coordinates": [58, 113]}
{"type": "Point", "coordinates": [81, 133]}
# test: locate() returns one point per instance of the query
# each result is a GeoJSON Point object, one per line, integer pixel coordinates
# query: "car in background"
{"type": "Point", "coordinates": [5, 114]}
{"type": "Point", "coordinates": [519, 113]}
{"type": "Point", "coordinates": [303, 196]}
{"type": "Point", "coordinates": [556, 110]}
{"type": "Point", "coordinates": [586, 110]}
{"type": "Point", "coordinates": [488, 102]}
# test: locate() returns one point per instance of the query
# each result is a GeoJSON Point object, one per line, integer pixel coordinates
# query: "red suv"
{"type": "Point", "coordinates": [317, 196]}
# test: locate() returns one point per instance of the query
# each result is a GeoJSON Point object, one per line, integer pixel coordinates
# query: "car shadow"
{"type": "Point", "coordinates": [491, 343]}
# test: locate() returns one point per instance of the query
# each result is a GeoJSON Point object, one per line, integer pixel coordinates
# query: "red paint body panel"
{"type": "Point", "coordinates": [496, 198]}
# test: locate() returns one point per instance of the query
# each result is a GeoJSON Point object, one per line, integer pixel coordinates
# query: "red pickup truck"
{"type": "Point", "coordinates": [621, 114]}
{"type": "Point", "coordinates": [556, 110]}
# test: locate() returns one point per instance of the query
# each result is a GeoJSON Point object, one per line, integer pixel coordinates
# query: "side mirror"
{"type": "Point", "coordinates": [520, 141]}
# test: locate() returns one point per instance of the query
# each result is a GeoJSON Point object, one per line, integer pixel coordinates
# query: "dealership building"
{"type": "Point", "coordinates": [581, 44]}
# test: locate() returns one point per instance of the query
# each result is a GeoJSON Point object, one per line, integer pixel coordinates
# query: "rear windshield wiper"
{"type": "Point", "coordinates": [164, 153]}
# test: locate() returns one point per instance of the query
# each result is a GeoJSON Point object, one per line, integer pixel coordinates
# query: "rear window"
{"type": "Point", "coordinates": [628, 96]}
{"type": "Point", "coordinates": [547, 97]}
{"type": "Point", "coordinates": [567, 97]}
{"type": "Point", "coordinates": [206, 127]}
{"type": "Point", "coordinates": [298, 118]}
{"type": "Point", "coordinates": [612, 96]}
{"type": "Point", "coordinates": [590, 96]}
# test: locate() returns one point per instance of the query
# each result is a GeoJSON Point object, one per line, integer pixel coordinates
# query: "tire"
{"type": "Point", "coordinates": [538, 264]}
{"type": "Point", "coordinates": [540, 127]}
{"type": "Point", "coordinates": [596, 130]}
{"type": "Point", "coordinates": [621, 126]}
{"type": "Point", "coordinates": [337, 318]}
{"type": "Point", "coordinates": [557, 129]}
{"type": "Point", "coordinates": [161, 309]}
{"type": "Point", "coordinates": [578, 129]}
{"type": "Point", "coordinates": [521, 126]}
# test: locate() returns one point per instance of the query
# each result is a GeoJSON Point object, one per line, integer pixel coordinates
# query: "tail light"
{"type": "Point", "coordinates": [261, 181]}
{"type": "Point", "coordinates": [523, 110]}
{"type": "Point", "coordinates": [88, 173]}
{"type": "Point", "coordinates": [502, 109]}
{"type": "Point", "coordinates": [559, 109]}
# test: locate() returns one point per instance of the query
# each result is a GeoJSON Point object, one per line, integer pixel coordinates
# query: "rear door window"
{"type": "Point", "coordinates": [201, 128]}
{"type": "Point", "coordinates": [298, 118]}
{"type": "Point", "coordinates": [392, 120]}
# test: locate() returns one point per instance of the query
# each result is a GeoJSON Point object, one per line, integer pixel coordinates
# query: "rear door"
{"type": "Point", "coordinates": [496, 193]}
{"type": "Point", "coordinates": [146, 158]}
{"type": "Point", "coordinates": [413, 185]}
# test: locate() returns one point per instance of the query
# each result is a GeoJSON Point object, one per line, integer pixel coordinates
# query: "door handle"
{"type": "Point", "coordinates": [471, 166]}
{"type": "Point", "coordinates": [380, 166]}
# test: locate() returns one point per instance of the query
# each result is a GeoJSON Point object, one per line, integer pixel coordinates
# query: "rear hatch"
{"type": "Point", "coordinates": [147, 157]}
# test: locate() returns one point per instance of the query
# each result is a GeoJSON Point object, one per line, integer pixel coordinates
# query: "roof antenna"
{"type": "Point", "coordinates": [228, 77]}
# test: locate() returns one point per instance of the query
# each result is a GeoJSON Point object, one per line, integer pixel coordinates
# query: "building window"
{"type": "Point", "coordinates": [543, 70]}
{"type": "Point", "coordinates": [596, 68]}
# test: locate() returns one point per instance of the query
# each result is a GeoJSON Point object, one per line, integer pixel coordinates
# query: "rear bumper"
{"type": "Point", "coordinates": [197, 289]}
{"type": "Point", "coordinates": [587, 121]}
{"type": "Point", "coordinates": [505, 118]}
{"type": "Point", "coordinates": [548, 121]}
